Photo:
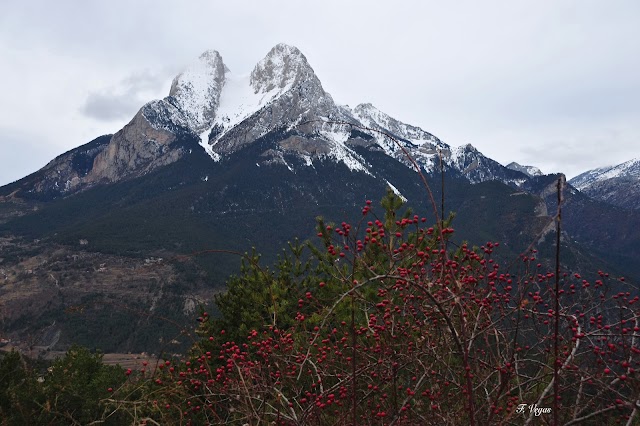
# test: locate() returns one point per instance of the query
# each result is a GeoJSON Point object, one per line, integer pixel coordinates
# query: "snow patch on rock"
{"type": "Point", "coordinates": [395, 191]}
{"type": "Point", "coordinates": [197, 90]}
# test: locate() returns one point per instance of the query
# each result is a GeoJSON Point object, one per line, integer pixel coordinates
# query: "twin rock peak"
{"type": "Point", "coordinates": [222, 112]}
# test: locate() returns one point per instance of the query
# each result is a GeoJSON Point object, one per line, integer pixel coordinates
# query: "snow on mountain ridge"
{"type": "Point", "coordinates": [341, 152]}
{"type": "Point", "coordinates": [476, 168]}
{"type": "Point", "coordinates": [628, 169]}
{"type": "Point", "coordinates": [618, 185]}
{"type": "Point", "coordinates": [429, 152]}
{"type": "Point", "coordinates": [208, 96]}
{"type": "Point", "coordinates": [197, 90]}
{"type": "Point", "coordinates": [238, 101]}
{"type": "Point", "coordinates": [530, 171]}
{"type": "Point", "coordinates": [372, 117]}
{"type": "Point", "coordinates": [281, 92]}
{"type": "Point", "coordinates": [228, 111]}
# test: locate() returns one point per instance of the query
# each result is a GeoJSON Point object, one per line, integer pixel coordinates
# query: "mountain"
{"type": "Point", "coordinates": [618, 185]}
{"type": "Point", "coordinates": [116, 243]}
{"type": "Point", "coordinates": [225, 112]}
{"type": "Point", "coordinates": [530, 171]}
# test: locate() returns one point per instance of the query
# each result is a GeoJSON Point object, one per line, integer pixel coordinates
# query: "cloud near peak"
{"type": "Point", "coordinates": [124, 99]}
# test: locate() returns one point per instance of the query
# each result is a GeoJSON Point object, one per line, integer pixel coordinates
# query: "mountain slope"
{"type": "Point", "coordinates": [618, 185]}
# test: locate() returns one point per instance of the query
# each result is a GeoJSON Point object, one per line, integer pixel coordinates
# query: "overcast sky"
{"type": "Point", "coordinates": [555, 84]}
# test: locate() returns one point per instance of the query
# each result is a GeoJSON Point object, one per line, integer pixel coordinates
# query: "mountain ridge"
{"type": "Point", "coordinates": [618, 185]}
{"type": "Point", "coordinates": [227, 111]}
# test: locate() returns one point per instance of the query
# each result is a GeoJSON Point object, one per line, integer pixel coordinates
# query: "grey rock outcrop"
{"type": "Point", "coordinates": [136, 149]}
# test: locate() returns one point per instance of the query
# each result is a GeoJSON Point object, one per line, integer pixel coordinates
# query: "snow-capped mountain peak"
{"type": "Point", "coordinates": [618, 185]}
{"type": "Point", "coordinates": [197, 90]}
{"type": "Point", "coordinates": [281, 68]}
{"type": "Point", "coordinates": [628, 169]}
{"type": "Point", "coordinates": [281, 98]}
{"type": "Point", "coordinates": [282, 91]}
{"type": "Point", "coordinates": [530, 171]}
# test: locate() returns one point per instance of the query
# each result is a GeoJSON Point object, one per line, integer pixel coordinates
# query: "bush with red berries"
{"type": "Point", "coordinates": [387, 322]}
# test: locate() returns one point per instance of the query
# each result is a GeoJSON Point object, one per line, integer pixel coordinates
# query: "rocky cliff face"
{"type": "Point", "coordinates": [136, 149]}
{"type": "Point", "coordinates": [283, 67]}
{"type": "Point", "coordinates": [66, 173]}
{"type": "Point", "coordinates": [145, 143]}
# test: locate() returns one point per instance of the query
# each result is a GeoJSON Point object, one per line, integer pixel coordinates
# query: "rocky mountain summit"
{"type": "Point", "coordinates": [224, 112]}
{"type": "Point", "coordinates": [530, 171]}
{"type": "Point", "coordinates": [618, 185]}
{"type": "Point", "coordinates": [196, 91]}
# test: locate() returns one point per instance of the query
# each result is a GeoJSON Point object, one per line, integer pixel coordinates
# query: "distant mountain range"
{"type": "Point", "coordinates": [618, 185]}
{"type": "Point", "coordinates": [93, 245]}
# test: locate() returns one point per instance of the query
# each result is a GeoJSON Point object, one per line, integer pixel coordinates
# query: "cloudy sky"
{"type": "Point", "coordinates": [554, 84]}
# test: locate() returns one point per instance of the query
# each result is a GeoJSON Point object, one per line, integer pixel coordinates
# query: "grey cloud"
{"type": "Point", "coordinates": [123, 100]}
{"type": "Point", "coordinates": [109, 107]}
{"type": "Point", "coordinates": [573, 156]}
{"type": "Point", "coordinates": [145, 80]}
